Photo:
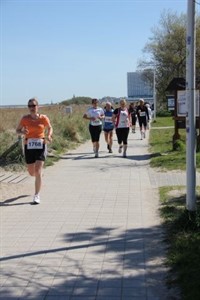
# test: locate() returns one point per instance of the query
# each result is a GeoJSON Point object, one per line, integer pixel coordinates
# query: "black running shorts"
{"type": "Point", "coordinates": [95, 132]}
{"type": "Point", "coordinates": [31, 155]}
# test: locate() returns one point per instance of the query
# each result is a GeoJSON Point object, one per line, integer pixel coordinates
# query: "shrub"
{"type": "Point", "coordinates": [179, 145]}
{"type": "Point", "coordinates": [163, 113]}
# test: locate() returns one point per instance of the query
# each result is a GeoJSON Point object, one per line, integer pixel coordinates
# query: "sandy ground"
{"type": "Point", "coordinates": [11, 191]}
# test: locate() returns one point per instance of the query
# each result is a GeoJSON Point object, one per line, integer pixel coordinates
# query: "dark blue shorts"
{"type": "Point", "coordinates": [107, 130]}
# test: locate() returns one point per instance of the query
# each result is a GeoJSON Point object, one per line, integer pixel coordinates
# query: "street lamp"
{"type": "Point", "coordinates": [153, 68]}
{"type": "Point", "coordinates": [154, 93]}
{"type": "Point", "coordinates": [191, 114]}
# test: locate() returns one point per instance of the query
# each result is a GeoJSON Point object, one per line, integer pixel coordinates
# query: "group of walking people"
{"type": "Point", "coordinates": [121, 119]}
{"type": "Point", "coordinates": [37, 131]}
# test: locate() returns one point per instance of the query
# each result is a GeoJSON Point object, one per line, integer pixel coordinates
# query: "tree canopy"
{"type": "Point", "coordinates": [77, 100]}
{"type": "Point", "coordinates": [167, 50]}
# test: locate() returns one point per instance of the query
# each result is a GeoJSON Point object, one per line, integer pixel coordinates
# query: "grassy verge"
{"type": "Point", "coordinates": [183, 238]}
{"type": "Point", "coordinates": [182, 227]}
{"type": "Point", "coordinates": [162, 121]}
{"type": "Point", "coordinates": [161, 146]}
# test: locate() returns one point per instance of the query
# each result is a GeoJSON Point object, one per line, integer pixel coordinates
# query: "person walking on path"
{"type": "Point", "coordinates": [122, 121]}
{"type": "Point", "coordinates": [37, 131]}
{"type": "Point", "coordinates": [108, 126]}
{"type": "Point", "coordinates": [143, 117]}
{"type": "Point", "coordinates": [95, 114]}
{"type": "Point", "coordinates": [150, 114]}
{"type": "Point", "coordinates": [132, 111]}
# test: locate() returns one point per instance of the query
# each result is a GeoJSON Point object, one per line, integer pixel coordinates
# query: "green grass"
{"type": "Point", "coordinates": [183, 239]}
{"type": "Point", "coordinates": [165, 155]}
{"type": "Point", "coordinates": [161, 148]}
{"type": "Point", "coordinates": [182, 226]}
{"type": "Point", "coordinates": [162, 121]}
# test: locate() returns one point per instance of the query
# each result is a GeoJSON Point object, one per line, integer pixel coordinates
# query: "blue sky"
{"type": "Point", "coordinates": [54, 49]}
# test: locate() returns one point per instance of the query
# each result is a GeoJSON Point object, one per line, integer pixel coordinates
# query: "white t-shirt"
{"type": "Point", "coordinates": [149, 111]}
{"type": "Point", "coordinates": [123, 118]}
{"type": "Point", "coordinates": [95, 113]}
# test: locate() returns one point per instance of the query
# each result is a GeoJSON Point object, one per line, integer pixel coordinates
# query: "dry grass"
{"type": "Point", "coordinates": [9, 117]}
{"type": "Point", "coordinates": [69, 129]}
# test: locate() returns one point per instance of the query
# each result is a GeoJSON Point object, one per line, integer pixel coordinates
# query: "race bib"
{"type": "Point", "coordinates": [35, 143]}
{"type": "Point", "coordinates": [96, 122]}
{"type": "Point", "coordinates": [108, 119]}
{"type": "Point", "coordinates": [142, 114]}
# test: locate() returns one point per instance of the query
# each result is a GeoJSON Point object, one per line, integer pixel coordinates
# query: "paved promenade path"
{"type": "Point", "coordinates": [96, 234]}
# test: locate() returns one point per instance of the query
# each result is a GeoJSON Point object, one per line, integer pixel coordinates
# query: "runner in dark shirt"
{"type": "Point", "coordinates": [143, 118]}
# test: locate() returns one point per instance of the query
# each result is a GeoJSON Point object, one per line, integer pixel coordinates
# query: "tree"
{"type": "Point", "coordinates": [77, 100]}
{"type": "Point", "coordinates": [167, 49]}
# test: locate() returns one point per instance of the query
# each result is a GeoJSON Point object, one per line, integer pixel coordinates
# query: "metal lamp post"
{"type": "Point", "coordinates": [154, 93]}
{"type": "Point", "coordinates": [191, 109]}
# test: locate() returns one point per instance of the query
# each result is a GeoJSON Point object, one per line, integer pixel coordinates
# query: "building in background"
{"type": "Point", "coordinates": [138, 88]}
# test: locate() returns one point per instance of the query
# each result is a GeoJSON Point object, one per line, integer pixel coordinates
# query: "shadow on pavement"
{"type": "Point", "coordinates": [104, 154]}
{"type": "Point", "coordinates": [125, 264]}
{"type": "Point", "coordinates": [81, 156]}
{"type": "Point", "coordinates": [9, 202]}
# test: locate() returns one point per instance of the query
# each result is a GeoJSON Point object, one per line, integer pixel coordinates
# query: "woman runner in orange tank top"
{"type": "Point", "coordinates": [34, 126]}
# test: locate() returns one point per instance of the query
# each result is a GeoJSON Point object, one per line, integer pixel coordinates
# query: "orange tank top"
{"type": "Point", "coordinates": [36, 127]}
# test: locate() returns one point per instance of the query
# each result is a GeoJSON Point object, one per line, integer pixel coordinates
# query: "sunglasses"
{"type": "Point", "coordinates": [32, 105]}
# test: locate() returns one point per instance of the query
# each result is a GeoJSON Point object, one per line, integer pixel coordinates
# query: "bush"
{"type": "Point", "coordinates": [163, 113]}
{"type": "Point", "coordinates": [179, 145]}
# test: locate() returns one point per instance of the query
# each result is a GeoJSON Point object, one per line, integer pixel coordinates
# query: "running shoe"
{"type": "Point", "coordinates": [96, 155]}
{"type": "Point", "coordinates": [110, 150]}
{"type": "Point", "coordinates": [36, 199]}
{"type": "Point", "coordinates": [144, 135]}
{"type": "Point", "coordinates": [120, 149]}
{"type": "Point", "coordinates": [124, 154]}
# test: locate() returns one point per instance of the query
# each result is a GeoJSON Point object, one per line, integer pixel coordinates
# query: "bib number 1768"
{"type": "Point", "coordinates": [35, 144]}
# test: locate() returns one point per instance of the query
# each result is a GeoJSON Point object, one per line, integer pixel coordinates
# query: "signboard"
{"type": "Point", "coordinates": [182, 103]}
{"type": "Point", "coordinates": [170, 102]}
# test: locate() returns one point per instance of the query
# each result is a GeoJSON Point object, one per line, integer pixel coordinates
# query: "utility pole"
{"type": "Point", "coordinates": [154, 93]}
{"type": "Point", "coordinates": [153, 68]}
{"type": "Point", "coordinates": [191, 107]}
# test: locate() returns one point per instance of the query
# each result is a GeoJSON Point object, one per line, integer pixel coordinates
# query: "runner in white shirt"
{"type": "Point", "coordinates": [150, 115]}
{"type": "Point", "coordinates": [122, 120]}
{"type": "Point", "coordinates": [95, 114]}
